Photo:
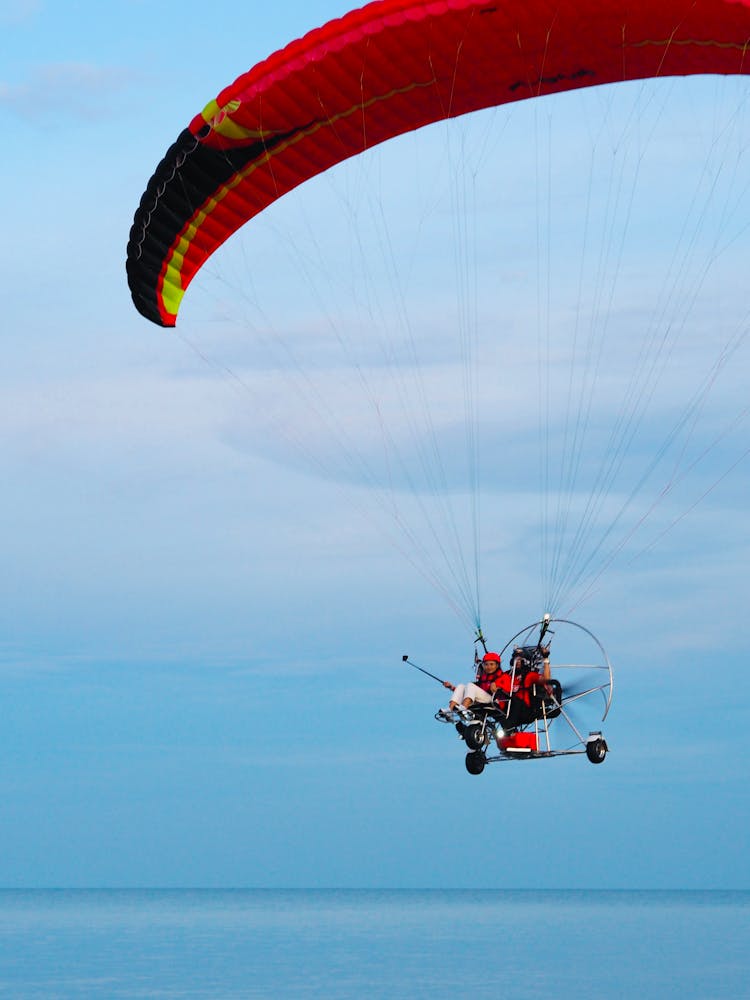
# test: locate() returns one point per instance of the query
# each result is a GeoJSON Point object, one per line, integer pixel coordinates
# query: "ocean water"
{"type": "Point", "coordinates": [374, 944]}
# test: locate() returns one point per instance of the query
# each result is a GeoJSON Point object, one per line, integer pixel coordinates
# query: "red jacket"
{"type": "Point", "coordinates": [485, 681]}
{"type": "Point", "coordinates": [520, 687]}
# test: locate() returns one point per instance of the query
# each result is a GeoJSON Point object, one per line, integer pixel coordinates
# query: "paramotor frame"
{"type": "Point", "coordinates": [523, 729]}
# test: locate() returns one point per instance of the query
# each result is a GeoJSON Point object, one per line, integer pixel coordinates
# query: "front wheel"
{"type": "Point", "coordinates": [475, 762]}
{"type": "Point", "coordinates": [476, 736]}
{"type": "Point", "coordinates": [596, 751]}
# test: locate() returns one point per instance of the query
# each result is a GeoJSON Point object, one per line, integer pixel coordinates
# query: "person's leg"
{"type": "Point", "coordinates": [472, 693]}
{"type": "Point", "coordinates": [458, 696]}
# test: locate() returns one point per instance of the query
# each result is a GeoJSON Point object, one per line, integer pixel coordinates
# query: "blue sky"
{"type": "Point", "coordinates": [200, 652]}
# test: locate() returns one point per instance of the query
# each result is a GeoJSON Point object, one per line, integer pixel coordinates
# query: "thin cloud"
{"type": "Point", "coordinates": [13, 12]}
{"type": "Point", "coordinates": [74, 90]}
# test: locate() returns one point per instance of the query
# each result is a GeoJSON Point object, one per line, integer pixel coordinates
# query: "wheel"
{"type": "Point", "coordinates": [596, 751]}
{"type": "Point", "coordinates": [475, 762]}
{"type": "Point", "coordinates": [475, 737]}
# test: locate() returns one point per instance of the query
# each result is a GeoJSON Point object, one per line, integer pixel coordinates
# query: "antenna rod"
{"type": "Point", "coordinates": [545, 627]}
{"type": "Point", "coordinates": [480, 638]}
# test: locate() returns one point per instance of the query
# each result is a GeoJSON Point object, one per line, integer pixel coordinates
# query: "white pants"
{"type": "Point", "coordinates": [473, 691]}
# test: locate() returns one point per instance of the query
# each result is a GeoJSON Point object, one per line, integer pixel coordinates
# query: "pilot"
{"type": "Point", "coordinates": [525, 676]}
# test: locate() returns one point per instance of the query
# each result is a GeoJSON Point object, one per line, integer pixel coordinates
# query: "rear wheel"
{"type": "Point", "coordinates": [475, 762]}
{"type": "Point", "coordinates": [596, 751]}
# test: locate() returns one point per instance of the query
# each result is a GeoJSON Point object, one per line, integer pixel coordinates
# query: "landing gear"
{"type": "Point", "coordinates": [476, 736]}
{"type": "Point", "coordinates": [596, 749]}
{"type": "Point", "coordinates": [475, 762]}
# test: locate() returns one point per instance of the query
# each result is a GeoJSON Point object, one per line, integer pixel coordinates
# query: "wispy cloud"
{"type": "Point", "coordinates": [76, 90]}
{"type": "Point", "coordinates": [18, 11]}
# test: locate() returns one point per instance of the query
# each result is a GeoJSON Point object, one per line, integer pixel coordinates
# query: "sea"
{"type": "Point", "coordinates": [557, 945]}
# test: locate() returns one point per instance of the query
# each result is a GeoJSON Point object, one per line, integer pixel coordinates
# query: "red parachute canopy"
{"type": "Point", "coordinates": [388, 68]}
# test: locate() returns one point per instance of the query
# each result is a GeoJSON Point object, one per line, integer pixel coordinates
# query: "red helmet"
{"type": "Point", "coordinates": [491, 658]}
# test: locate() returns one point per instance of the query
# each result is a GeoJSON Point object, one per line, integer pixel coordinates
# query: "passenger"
{"type": "Point", "coordinates": [480, 691]}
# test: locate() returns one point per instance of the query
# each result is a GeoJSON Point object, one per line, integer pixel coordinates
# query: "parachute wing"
{"type": "Point", "coordinates": [389, 68]}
